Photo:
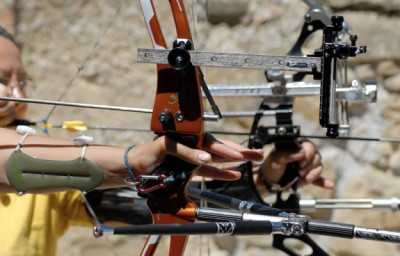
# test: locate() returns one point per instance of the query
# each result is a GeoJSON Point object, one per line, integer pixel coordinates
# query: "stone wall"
{"type": "Point", "coordinates": [57, 36]}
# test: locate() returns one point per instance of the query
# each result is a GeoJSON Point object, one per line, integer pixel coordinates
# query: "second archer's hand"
{"type": "Point", "coordinates": [310, 166]}
{"type": "Point", "coordinates": [147, 156]}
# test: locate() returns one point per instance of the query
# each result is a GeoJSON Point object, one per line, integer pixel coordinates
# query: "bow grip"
{"type": "Point", "coordinates": [292, 168]}
{"type": "Point", "coordinates": [177, 171]}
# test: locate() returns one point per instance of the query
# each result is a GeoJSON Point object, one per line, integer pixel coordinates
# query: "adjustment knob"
{"type": "Point", "coordinates": [332, 131]}
{"type": "Point", "coordinates": [353, 39]}
{"type": "Point", "coordinates": [337, 22]}
{"type": "Point", "coordinates": [179, 58]}
{"type": "Point", "coordinates": [257, 143]}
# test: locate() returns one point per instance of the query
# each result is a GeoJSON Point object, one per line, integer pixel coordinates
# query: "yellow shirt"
{"type": "Point", "coordinates": [31, 224]}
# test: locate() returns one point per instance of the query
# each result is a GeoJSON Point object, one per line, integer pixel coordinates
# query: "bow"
{"type": "Point", "coordinates": [177, 113]}
{"type": "Point", "coordinates": [179, 58]}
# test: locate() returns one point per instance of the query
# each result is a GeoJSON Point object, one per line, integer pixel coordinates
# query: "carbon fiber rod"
{"type": "Point", "coordinates": [233, 203]}
{"type": "Point", "coordinates": [218, 228]}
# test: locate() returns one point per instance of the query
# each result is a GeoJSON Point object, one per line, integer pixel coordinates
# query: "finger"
{"type": "Point", "coordinates": [316, 161]}
{"type": "Point", "coordinates": [324, 183]}
{"type": "Point", "coordinates": [255, 156]}
{"type": "Point", "coordinates": [215, 173]}
{"type": "Point", "coordinates": [309, 150]}
{"type": "Point", "coordinates": [187, 154]}
{"type": "Point", "coordinates": [226, 165]}
{"type": "Point", "coordinates": [219, 148]}
{"type": "Point", "coordinates": [249, 154]}
{"type": "Point", "coordinates": [227, 150]}
{"type": "Point", "coordinates": [314, 174]}
{"type": "Point", "coordinates": [282, 157]}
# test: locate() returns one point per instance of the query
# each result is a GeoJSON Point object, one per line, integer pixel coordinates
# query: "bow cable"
{"type": "Point", "coordinates": [54, 104]}
{"type": "Point", "coordinates": [81, 66]}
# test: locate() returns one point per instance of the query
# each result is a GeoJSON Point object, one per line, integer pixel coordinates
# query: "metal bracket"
{"type": "Point", "coordinates": [366, 92]}
{"type": "Point", "coordinates": [236, 60]}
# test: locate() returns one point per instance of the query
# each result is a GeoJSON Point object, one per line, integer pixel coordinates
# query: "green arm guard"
{"type": "Point", "coordinates": [26, 172]}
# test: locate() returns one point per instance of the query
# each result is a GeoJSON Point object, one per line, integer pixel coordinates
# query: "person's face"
{"type": "Point", "coordinates": [12, 73]}
{"type": "Point", "coordinates": [12, 78]}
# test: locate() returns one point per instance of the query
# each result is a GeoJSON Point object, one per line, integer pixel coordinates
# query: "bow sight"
{"type": "Point", "coordinates": [322, 65]}
{"type": "Point", "coordinates": [331, 51]}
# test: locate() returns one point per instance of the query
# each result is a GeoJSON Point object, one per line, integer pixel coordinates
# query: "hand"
{"type": "Point", "coordinates": [147, 156]}
{"type": "Point", "coordinates": [309, 162]}
{"type": "Point", "coordinates": [11, 74]}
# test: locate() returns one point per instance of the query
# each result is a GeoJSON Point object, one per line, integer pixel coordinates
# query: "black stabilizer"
{"type": "Point", "coordinates": [219, 228]}
{"type": "Point", "coordinates": [328, 228]}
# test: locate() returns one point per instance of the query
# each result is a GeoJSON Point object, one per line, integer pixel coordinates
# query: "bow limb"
{"type": "Point", "coordinates": [153, 26]}
{"type": "Point", "coordinates": [180, 19]}
{"type": "Point", "coordinates": [178, 113]}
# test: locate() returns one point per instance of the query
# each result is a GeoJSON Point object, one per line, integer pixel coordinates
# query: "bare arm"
{"type": "Point", "coordinates": [142, 159]}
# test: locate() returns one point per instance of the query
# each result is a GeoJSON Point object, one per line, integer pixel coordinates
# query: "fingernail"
{"type": "Point", "coordinates": [302, 163]}
{"type": "Point", "coordinates": [302, 172]}
{"type": "Point", "coordinates": [204, 157]}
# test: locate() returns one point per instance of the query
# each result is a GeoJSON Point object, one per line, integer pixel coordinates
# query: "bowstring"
{"type": "Point", "coordinates": [97, 221]}
{"type": "Point", "coordinates": [80, 67]}
{"type": "Point", "coordinates": [203, 186]}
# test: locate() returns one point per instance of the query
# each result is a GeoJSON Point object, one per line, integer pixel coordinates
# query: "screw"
{"type": "Point", "coordinates": [282, 131]}
{"type": "Point", "coordinates": [179, 117]}
{"type": "Point", "coordinates": [297, 229]}
{"type": "Point", "coordinates": [179, 59]}
{"type": "Point", "coordinates": [165, 116]}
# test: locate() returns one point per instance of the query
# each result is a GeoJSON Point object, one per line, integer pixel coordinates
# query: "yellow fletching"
{"type": "Point", "coordinates": [74, 126]}
{"type": "Point", "coordinates": [47, 125]}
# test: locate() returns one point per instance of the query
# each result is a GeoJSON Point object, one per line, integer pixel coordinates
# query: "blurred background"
{"type": "Point", "coordinates": [85, 51]}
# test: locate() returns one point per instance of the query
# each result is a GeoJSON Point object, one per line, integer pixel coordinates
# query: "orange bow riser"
{"type": "Point", "coordinates": [177, 113]}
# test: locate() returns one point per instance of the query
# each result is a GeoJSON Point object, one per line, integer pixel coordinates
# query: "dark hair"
{"type": "Point", "coordinates": [4, 33]}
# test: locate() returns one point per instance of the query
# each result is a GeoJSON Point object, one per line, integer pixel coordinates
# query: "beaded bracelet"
{"type": "Point", "coordinates": [128, 167]}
